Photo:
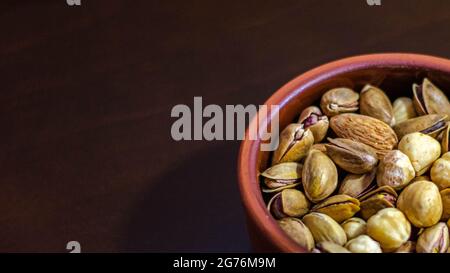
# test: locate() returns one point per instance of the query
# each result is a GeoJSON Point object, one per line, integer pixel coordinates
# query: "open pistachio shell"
{"type": "Point", "coordinates": [429, 99]}
{"type": "Point", "coordinates": [376, 200]}
{"type": "Point", "coordinates": [294, 145]}
{"type": "Point", "coordinates": [375, 103]}
{"type": "Point", "coordinates": [445, 196]}
{"type": "Point", "coordinates": [403, 109]}
{"type": "Point", "coordinates": [330, 247]}
{"type": "Point", "coordinates": [339, 207]}
{"type": "Point", "coordinates": [298, 231]}
{"type": "Point", "coordinates": [312, 118]}
{"type": "Point", "coordinates": [283, 174]}
{"type": "Point", "coordinates": [440, 171]}
{"type": "Point", "coordinates": [324, 228]}
{"type": "Point", "coordinates": [288, 203]}
{"type": "Point", "coordinates": [356, 185]}
{"type": "Point", "coordinates": [429, 124]}
{"type": "Point", "coordinates": [445, 142]}
{"type": "Point", "coordinates": [434, 239]}
{"type": "Point", "coordinates": [339, 100]}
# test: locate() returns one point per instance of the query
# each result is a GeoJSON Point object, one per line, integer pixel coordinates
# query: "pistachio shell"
{"type": "Point", "coordinates": [429, 99]}
{"type": "Point", "coordinates": [276, 190]}
{"type": "Point", "coordinates": [288, 203]}
{"type": "Point", "coordinates": [298, 231]}
{"type": "Point", "coordinates": [375, 103]}
{"type": "Point", "coordinates": [408, 247]}
{"type": "Point", "coordinates": [440, 171]}
{"type": "Point", "coordinates": [319, 176]}
{"type": "Point", "coordinates": [330, 247]}
{"type": "Point", "coordinates": [422, 204]}
{"type": "Point", "coordinates": [339, 207]}
{"type": "Point", "coordinates": [445, 142]}
{"type": "Point", "coordinates": [354, 227]}
{"type": "Point", "coordinates": [363, 244]}
{"type": "Point", "coordinates": [294, 145]}
{"type": "Point", "coordinates": [312, 118]}
{"type": "Point", "coordinates": [403, 109]}
{"type": "Point", "coordinates": [356, 185]}
{"type": "Point", "coordinates": [324, 228]}
{"type": "Point", "coordinates": [428, 124]}
{"type": "Point", "coordinates": [395, 170]}
{"type": "Point", "coordinates": [445, 196]}
{"type": "Point", "coordinates": [376, 200]}
{"type": "Point", "coordinates": [421, 149]}
{"type": "Point", "coordinates": [283, 174]}
{"type": "Point", "coordinates": [433, 239]}
{"type": "Point", "coordinates": [421, 178]}
{"type": "Point", "coordinates": [352, 156]}
{"type": "Point", "coordinates": [390, 228]}
{"type": "Point", "coordinates": [339, 100]}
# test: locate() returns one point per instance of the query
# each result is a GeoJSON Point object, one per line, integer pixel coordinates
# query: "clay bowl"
{"type": "Point", "coordinates": [394, 73]}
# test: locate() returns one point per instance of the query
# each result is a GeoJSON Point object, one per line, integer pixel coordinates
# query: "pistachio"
{"type": "Point", "coordinates": [408, 247]}
{"type": "Point", "coordinates": [421, 178]}
{"type": "Point", "coordinates": [339, 100]}
{"type": "Point", "coordinates": [364, 129]}
{"type": "Point", "coordinates": [375, 103]}
{"type": "Point", "coordinates": [433, 239]}
{"type": "Point", "coordinates": [357, 185]}
{"type": "Point", "coordinates": [298, 231]}
{"type": "Point", "coordinates": [363, 244]}
{"type": "Point", "coordinates": [421, 149]}
{"type": "Point", "coordinates": [324, 228]}
{"type": "Point", "coordinates": [376, 200]}
{"type": "Point", "coordinates": [330, 247]}
{"type": "Point", "coordinates": [339, 207]}
{"type": "Point", "coordinates": [429, 99]}
{"type": "Point", "coordinates": [395, 170]}
{"type": "Point", "coordinates": [352, 156]}
{"type": "Point", "coordinates": [319, 176]}
{"type": "Point", "coordinates": [390, 228]}
{"type": "Point", "coordinates": [283, 174]}
{"type": "Point", "coordinates": [312, 118]}
{"type": "Point", "coordinates": [354, 227]}
{"type": "Point", "coordinates": [403, 109]}
{"type": "Point", "coordinates": [288, 203]}
{"type": "Point", "coordinates": [445, 196]}
{"type": "Point", "coordinates": [421, 202]}
{"type": "Point", "coordinates": [445, 142]}
{"type": "Point", "coordinates": [320, 146]}
{"type": "Point", "coordinates": [294, 145]}
{"type": "Point", "coordinates": [431, 125]}
{"type": "Point", "coordinates": [440, 171]}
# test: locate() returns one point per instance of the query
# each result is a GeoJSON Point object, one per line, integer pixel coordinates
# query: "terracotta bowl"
{"type": "Point", "coordinates": [394, 73]}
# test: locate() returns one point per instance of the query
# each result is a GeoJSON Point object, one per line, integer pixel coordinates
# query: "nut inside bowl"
{"type": "Point", "coordinates": [394, 73]}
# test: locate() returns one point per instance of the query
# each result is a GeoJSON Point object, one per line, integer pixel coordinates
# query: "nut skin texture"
{"type": "Point", "coordinates": [390, 228]}
{"type": "Point", "coordinates": [363, 244]}
{"type": "Point", "coordinates": [324, 228]}
{"type": "Point", "coordinates": [375, 103]}
{"type": "Point", "coordinates": [354, 227]}
{"type": "Point", "coordinates": [421, 203]}
{"type": "Point", "coordinates": [298, 231]}
{"type": "Point", "coordinates": [294, 145]}
{"type": "Point", "coordinates": [433, 239]}
{"type": "Point", "coordinates": [319, 176]}
{"type": "Point", "coordinates": [445, 196]}
{"type": "Point", "coordinates": [395, 170]}
{"type": "Point", "coordinates": [339, 100]}
{"type": "Point", "coordinates": [440, 172]}
{"type": "Point", "coordinates": [421, 149]}
{"type": "Point", "coordinates": [403, 109]}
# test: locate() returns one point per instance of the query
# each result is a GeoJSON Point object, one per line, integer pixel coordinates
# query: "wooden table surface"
{"type": "Point", "coordinates": [85, 147]}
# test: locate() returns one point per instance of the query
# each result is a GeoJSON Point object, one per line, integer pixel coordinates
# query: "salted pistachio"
{"type": "Point", "coordinates": [429, 99]}
{"type": "Point", "coordinates": [298, 231]}
{"type": "Point", "coordinates": [354, 227]}
{"type": "Point", "coordinates": [352, 156]}
{"type": "Point", "coordinates": [421, 178]}
{"type": "Point", "coordinates": [421, 149]}
{"type": "Point", "coordinates": [376, 200]}
{"type": "Point", "coordinates": [421, 202]}
{"type": "Point", "coordinates": [294, 145]}
{"type": "Point", "coordinates": [319, 176]}
{"type": "Point", "coordinates": [288, 203]}
{"type": "Point", "coordinates": [339, 100]}
{"type": "Point", "coordinates": [433, 239]}
{"type": "Point", "coordinates": [313, 119]}
{"type": "Point", "coordinates": [390, 228]}
{"type": "Point", "coordinates": [363, 244]}
{"type": "Point", "coordinates": [375, 103]}
{"type": "Point", "coordinates": [445, 141]}
{"type": "Point", "coordinates": [324, 228]}
{"type": "Point", "coordinates": [330, 247]}
{"type": "Point", "coordinates": [282, 175]}
{"type": "Point", "coordinates": [339, 207]}
{"type": "Point", "coordinates": [430, 125]}
{"type": "Point", "coordinates": [403, 108]}
{"type": "Point", "coordinates": [408, 247]}
{"type": "Point", "coordinates": [440, 171]}
{"type": "Point", "coordinates": [445, 196]}
{"type": "Point", "coordinates": [395, 170]}
{"type": "Point", "coordinates": [357, 185]}
{"type": "Point", "coordinates": [364, 129]}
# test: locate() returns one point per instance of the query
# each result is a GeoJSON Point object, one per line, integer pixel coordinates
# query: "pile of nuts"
{"type": "Point", "coordinates": [378, 181]}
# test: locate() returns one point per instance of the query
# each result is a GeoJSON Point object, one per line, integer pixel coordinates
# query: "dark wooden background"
{"type": "Point", "coordinates": [86, 94]}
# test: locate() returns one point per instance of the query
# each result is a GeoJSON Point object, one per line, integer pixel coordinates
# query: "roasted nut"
{"type": "Point", "coordinates": [445, 196]}
{"type": "Point", "coordinates": [403, 109]}
{"type": "Point", "coordinates": [312, 118]}
{"type": "Point", "coordinates": [339, 207]}
{"type": "Point", "coordinates": [324, 228]}
{"type": "Point", "coordinates": [375, 103]}
{"type": "Point", "coordinates": [339, 100]}
{"type": "Point", "coordinates": [408, 247]}
{"type": "Point", "coordinates": [354, 227]}
{"type": "Point", "coordinates": [422, 204]}
{"type": "Point", "coordinates": [352, 156]}
{"type": "Point", "coordinates": [330, 247]}
{"type": "Point", "coordinates": [357, 185]}
{"type": "Point", "coordinates": [288, 203]}
{"type": "Point", "coordinates": [440, 172]}
{"type": "Point", "coordinates": [445, 142]}
{"type": "Point", "coordinates": [376, 200]}
{"type": "Point", "coordinates": [282, 175]}
{"type": "Point", "coordinates": [390, 228]}
{"type": "Point", "coordinates": [294, 145]}
{"type": "Point", "coordinates": [421, 178]}
{"type": "Point", "coordinates": [319, 176]}
{"type": "Point", "coordinates": [363, 244]}
{"type": "Point", "coordinates": [421, 149]}
{"type": "Point", "coordinates": [430, 125]}
{"type": "Point", "coordinates": [395, 170]}
{"type": "Point", "coordinates": [433, 239]}
{"type": "Point", "coordinates": [298, 231]}
{"type": "Point", "coordinates": [429, 99]}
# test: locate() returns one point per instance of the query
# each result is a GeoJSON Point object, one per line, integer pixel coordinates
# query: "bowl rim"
{"type": "Point", "coordinates": [248, 154]}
